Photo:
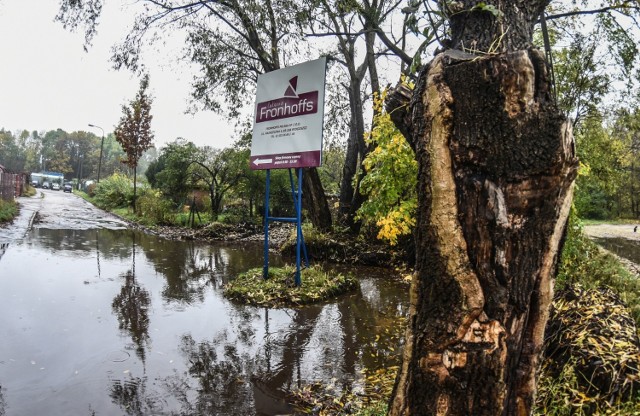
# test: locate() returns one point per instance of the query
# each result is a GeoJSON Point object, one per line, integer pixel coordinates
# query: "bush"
{"type": "Point", "coordinates": [114, 192]}
{"type": "Point", "coordinates": [91, 190]}
{"type": "Point", "coordinates": [8, 210]}
{"type": "Point", "coordinates": [234, 214]}
{"type": "Point", "coordinates": [151, 207]}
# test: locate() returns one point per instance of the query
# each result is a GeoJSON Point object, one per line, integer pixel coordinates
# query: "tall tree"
{"type": "Point", "coordinates": [9, 150]}
{"type": "Point", "coordinates": [133, 131]}
{"type": "Point", "coordinates": [601, 170]}
{"type": "Point", "coordinates": [626, 130]}
{"type": "Point", "coordinates": [169, 172]}
{"type": "Point", "coordinates": [354, 26]}
{"type": "Point", "coordinates": [220, 170]}
{"type": "Point", "coordinates": [496, 167]}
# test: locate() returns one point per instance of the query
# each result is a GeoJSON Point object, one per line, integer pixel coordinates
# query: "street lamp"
{"type": "Point", "coordinates": [101, 146]}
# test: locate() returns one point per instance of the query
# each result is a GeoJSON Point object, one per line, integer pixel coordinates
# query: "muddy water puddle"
{"type": "Point", "coordinates": [104, 322]}
{"type": "Point", "coordinates": [623, 247]}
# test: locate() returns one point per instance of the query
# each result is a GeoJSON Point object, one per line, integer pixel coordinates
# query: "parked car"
{"type": "Point", "coordinates": [68, 187]}
{"type": "Point", "coordinates": [45, 185]}
{"type": "Point", "coordinates": [55, 186]}
{"type": "Point", "coordinates": [35, 184]}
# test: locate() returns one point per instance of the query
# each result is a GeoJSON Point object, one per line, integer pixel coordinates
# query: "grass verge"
{"type": "Point", "coordinates": [8, 210]}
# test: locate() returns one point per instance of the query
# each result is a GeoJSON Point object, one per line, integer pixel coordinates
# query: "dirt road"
{"type": "Point", "coordinates": [57, 210]}
{"type": "Point", "coordinates": [613, 231]}
{"type": "Point", "coordinates": [619, 240]}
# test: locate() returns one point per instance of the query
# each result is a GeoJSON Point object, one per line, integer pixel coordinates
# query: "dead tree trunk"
{"type": "Point", "coordinates": [496, 172]}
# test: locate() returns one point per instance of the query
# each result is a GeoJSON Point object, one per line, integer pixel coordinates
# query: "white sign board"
{"type": "Point", "coordinates": [287, 127]}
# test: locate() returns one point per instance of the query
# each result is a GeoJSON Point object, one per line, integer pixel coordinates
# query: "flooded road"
{"type": "Point", "coordinates": [622, 240]}
{"type": "Point", "coordinates": [103, 320]}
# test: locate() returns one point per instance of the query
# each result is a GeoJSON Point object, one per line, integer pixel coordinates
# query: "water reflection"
{"type": "Point", "coordinates": [3, 248]}
{"type": "Point", "coordinates": [195, 352]}
{"type": "Point", "coordinates": [3, 404]}
{"type": "Point", "coordinates": [131, 306]}
{"type": "Point", "coordinates": [623, 247]}
{"type": "Point", "coordinates": [131, 396]}
{"type": "Point", "coordinates": [223, 385]}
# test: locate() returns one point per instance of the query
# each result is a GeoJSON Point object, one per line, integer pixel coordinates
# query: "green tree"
{"type": "Point", "coordinates": [58, 153]}
{"type": "Point", "coordinates": [601, 171]}
{"type": "Point", "coordinates": [170, 171]}
{"type": "Point", "coordinates": [32, 152]}
{"type": "Point", "coordinates": [626, 130]}
{"type": "Point", "coordinates": [112, 156]}
{"type": "Point", "coordinates": [331, 171]}
{"type": "Point", "coordinates": [581, 77]}
{"type": "Point", "coordinates": [390, 183]}
{"type": "Point", "coordinates": [220, 170]}
{"type": "Point", "coordinates": [133, 131]}
{"type": "Point", "coordinates": [8, 150]}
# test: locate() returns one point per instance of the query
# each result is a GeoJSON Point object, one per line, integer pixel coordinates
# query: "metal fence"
{"type": "Point", "coordinates": [11, 184]}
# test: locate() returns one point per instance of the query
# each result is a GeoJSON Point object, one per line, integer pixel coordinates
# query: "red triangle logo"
{"type": "Point", "coordinates": [290, 92]}
{"type": "Point", "coordinates": [291, 89]}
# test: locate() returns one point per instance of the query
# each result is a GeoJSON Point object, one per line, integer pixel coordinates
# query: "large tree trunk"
{"type": "Point", "coordinates": [353, 155]}
{"type": "Point", "coordinates": [315, 201]}
{"type": "Point", "coordinates": [496, 172]}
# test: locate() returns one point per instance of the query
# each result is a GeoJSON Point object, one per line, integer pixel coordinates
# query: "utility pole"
{"type": "Point", "coordinates": [101, 146]}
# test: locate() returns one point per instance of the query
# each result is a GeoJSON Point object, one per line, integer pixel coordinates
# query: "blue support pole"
{"type": "Point", "coordinates": [297, 203]}
{"type": "Point", "coordinates": [265, 268]}
{"type": "Point", "coordinates": [299, 230]}
{"type": "Point", "coordinates": [297, 197]}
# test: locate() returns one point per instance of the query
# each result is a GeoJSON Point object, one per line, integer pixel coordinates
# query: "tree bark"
{"type": "Point", "coordinates": [315, 201]}
{"type": "Point", "coordinates": [496, 171]}
{"type": "Point", "coordinates": [354, 146]}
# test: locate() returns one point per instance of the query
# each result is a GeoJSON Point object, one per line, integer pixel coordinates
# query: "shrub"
{"type": "Point", "coordinates": [8, 210]}
{"type": "Point", "coordinates": [91, 190]}
{"type": "Point", "coordinates": [115, 191]}
{"type": "Point", "coordinates": [151, 207]}
{"type": "Point", "coordinates": [234, 214]}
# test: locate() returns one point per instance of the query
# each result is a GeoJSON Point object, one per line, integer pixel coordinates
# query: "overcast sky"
{"type": "Point", "coordinates": [47, 80]}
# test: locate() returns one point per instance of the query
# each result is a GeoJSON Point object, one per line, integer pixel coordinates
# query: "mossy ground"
{"type": "Point", "coordinates": [279, 289]}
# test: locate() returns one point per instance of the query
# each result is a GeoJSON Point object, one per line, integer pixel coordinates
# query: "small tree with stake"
{"type": "Point", "coordinates": [134, 129]}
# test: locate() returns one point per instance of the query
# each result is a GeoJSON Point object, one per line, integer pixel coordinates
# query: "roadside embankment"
{"type": "Point", "coordinates": [617, 231]}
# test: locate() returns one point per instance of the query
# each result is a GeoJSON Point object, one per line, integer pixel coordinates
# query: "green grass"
{"type": "Point", "coordinates": [279, 289]}
{"type": "Point", "coordinates": [8, 210]}
{"type": "Point", "coordinates": [30, 191]}
{"type": "Point", "coordinates": [377, 409]}
{"type": "Point", "coordinates": [619, 221]}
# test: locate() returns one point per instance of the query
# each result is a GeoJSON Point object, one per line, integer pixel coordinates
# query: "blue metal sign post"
{"type": "Point", "coordinates": [287, 134]}
{"type": "Point", "coordinates": [300, 246]}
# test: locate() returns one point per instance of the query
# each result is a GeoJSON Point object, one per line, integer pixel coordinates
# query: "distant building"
{"type": "Point", "coordinates": [37, 179]}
